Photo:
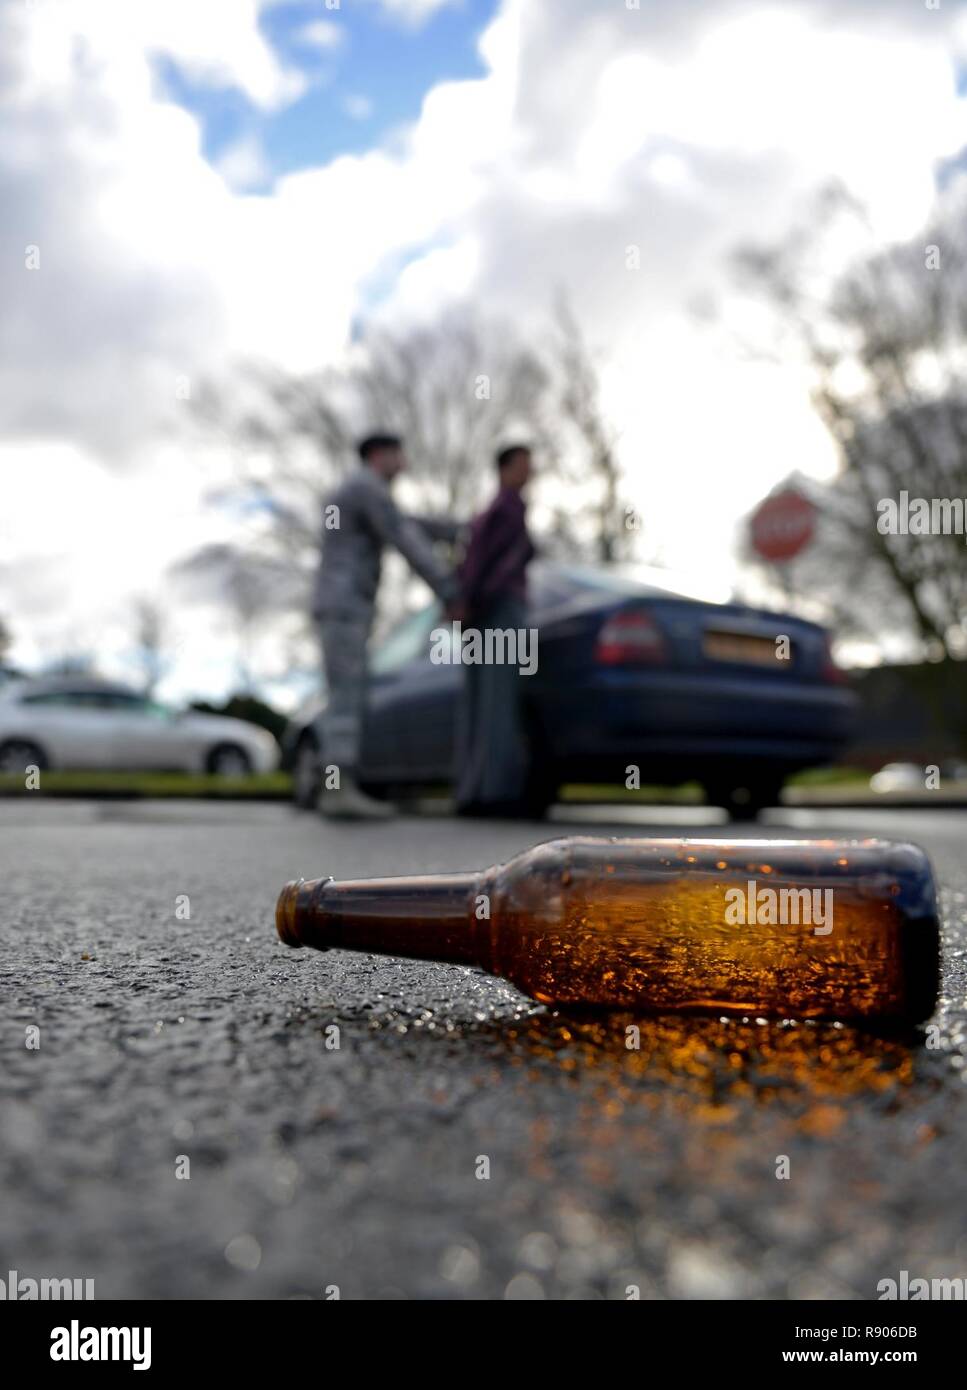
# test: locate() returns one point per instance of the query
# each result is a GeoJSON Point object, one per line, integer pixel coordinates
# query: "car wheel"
{"type": "Point", "coordinates": [229, 760]}
{"type": "Point", "coordinates": [17, 754]}
{"type": "Point", "coordinates": [540, 793]}
{"type": "Point", "coordinates": [306, 774]}
{"type": "Point", "coordinates": [744, 800]}
{"type": "Point", "coordinates": [385, 791]}
{"type": "Point", "coordinates": [542, 784]}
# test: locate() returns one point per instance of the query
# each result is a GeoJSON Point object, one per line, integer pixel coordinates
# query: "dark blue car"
{"type": "Point", "coordinates": [629, 674]}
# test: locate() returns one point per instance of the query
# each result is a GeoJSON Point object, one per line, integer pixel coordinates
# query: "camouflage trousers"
{"type": "Point", "coordinates": [343, 639]}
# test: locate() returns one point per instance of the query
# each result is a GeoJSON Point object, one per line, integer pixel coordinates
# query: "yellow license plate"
{"type": "Point", "coordinates": [742, 648]}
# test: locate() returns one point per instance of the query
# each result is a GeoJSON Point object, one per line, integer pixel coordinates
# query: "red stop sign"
{"type": "Point", "coordinates": [783, 525]}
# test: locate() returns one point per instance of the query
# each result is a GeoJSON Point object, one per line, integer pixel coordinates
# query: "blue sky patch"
{"type": "Point", "coordinates": [368, 74]}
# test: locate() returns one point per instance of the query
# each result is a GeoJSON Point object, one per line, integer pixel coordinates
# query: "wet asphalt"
{"type": "Point", "coordinates": [183, 1124]}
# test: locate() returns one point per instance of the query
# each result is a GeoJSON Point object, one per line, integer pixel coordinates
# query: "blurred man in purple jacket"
{"type": "Point", "coordinates": [492, 760]}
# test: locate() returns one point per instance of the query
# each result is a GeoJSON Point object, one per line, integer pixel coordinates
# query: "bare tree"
{"type": "Point", "coordinates": [248, 586]}
{"type": "Point", "coordinates": [455, 391]}
{"type": "Point", "coordinates": [151, 637]}
{"type": "Point", "coordinates": [291, 439]}
{"type": "Point", "coordinates": [886, 346]}
{"type": "Point", "coordinates": [587, 443]}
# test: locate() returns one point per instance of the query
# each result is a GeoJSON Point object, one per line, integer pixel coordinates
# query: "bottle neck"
{"type": "Point", "coordinates": [425, 918]}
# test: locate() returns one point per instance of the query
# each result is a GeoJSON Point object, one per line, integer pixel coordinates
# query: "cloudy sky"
{"type": "Point", "coordinates": [187, 182]}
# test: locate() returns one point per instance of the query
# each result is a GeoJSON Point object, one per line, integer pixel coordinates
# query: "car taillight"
{"type": "Point", "coordinates": [828, 669]}
{"type": "Point", "coordinates": [630, 639]}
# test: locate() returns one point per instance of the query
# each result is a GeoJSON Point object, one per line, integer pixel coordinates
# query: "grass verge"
{"type": "Point", "coordinates": [277, 786]}
{"type": "Point", "coordinates": [270, 786]}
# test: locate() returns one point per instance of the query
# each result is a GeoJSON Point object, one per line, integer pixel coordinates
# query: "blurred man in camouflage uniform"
{"type": "Point", "coordinates": [362, 518]}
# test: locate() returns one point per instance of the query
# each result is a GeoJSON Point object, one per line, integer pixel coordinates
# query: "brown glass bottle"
{"type": "Point", "coordinates": [797, 928]}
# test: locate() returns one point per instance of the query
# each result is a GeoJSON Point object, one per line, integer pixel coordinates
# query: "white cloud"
{"type": "Point", "coordinates": [413, 12]}
{"type": "Point", "coordinates": [244, 165]}
{"type": "Point", "coordinates": [89, 540]}
{"type": "Point", "coordinates": [359, 107]}
{"type": "Point", "coordinates": [445, 275]}
{"type": "Point", "coordinates": [216, 42]}
{"type": "Point", "coordinates": [325, 34]}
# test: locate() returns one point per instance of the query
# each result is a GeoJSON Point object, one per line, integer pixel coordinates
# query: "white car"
{"type": "Point", "coordinates": [79, 722]}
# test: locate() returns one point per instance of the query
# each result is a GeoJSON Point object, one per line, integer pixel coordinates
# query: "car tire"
{"type": "Point", "coordinates": [543, 783]}
{"type": "Point", "coordinates": [385, 791]}
{"type": "Point", "coordinates": [229, 760]}
{"type": "Point", "coordinates": [540, 794]}
{"type": "Point", "coordinates": [17, 754]}
{"type": "Point", "coordinates": [306, 774]}
{"type": "Point", "coordinates": [743, 801]}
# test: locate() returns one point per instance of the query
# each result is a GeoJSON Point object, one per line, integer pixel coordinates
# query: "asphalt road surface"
{"type": "Point", "coordinates": [312, 1168]}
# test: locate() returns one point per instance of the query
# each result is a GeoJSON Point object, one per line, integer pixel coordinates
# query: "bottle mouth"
{"type": "Point", "coordinates": [285, 913]}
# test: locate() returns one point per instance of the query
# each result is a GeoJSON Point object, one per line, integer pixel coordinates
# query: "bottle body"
{"type": "Point", "coordinates": [740, 927]}
{"type": "Point", "coordinates": [807, 929]}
